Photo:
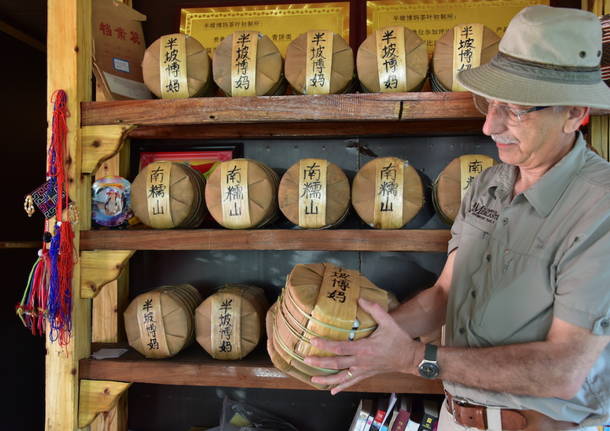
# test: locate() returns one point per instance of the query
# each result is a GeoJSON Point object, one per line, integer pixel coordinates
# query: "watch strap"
{"type": "Point", "coordinates": [430, 352]}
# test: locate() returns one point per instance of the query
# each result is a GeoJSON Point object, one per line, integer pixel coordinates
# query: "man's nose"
{"type": "Point", "coordinates": [495, 121]}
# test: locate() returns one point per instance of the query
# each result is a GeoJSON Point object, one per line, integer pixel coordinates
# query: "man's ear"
{"type": "Point", "coordinates": [575, 117]}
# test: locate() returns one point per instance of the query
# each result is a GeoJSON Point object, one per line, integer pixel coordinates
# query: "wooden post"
{"type": "Point", "coordinates": [69, 52]}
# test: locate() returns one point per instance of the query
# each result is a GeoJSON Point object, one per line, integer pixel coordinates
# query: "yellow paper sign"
{"type": "Point", "coordinates": [430, 19]}
{"type": "Point", "coordinates": [389, 182]}
{"type": "Point", "coordinates": [337, 302]}
{"type": "Point", "coordinates": [472, 165]}
{"type": "Point", "coordinates": [391, 59]}
{"type": "Point", "coordinates": [243, 63]}
{"type": "Point", "coordinates": [172, 67]}
{"type": "Point", "coordinates": [312, 193]}
{"type": "Point", "coordinates": [281, 23]}
{"type": "Point", "coordinates": [150, 324]}
{"type": "Point", "coordinates": [226, 325]}
{"type": "Point", "coordinates": [158, 194]}
{"type": "Point", "coordinates": [234, 194]}
{"type": "Point", "coordinates": [319, 62]}
{"type": "Point", "coordinates": [467, 49]}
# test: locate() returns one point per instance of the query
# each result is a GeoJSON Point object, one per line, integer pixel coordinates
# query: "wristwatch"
{"type": "Point", "coordinates": [428, 367]}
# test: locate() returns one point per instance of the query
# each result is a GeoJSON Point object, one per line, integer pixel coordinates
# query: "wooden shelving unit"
{"type": "Point", "coordinates": [98, 130]}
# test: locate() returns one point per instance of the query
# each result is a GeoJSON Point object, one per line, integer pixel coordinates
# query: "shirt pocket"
{"type": "Point", "coordinates": [517, 301]}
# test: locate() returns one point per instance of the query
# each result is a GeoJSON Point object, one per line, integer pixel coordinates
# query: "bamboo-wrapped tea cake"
{"type": "Point", "coordinates": [392, 59]}
{"type": "Point", "coordinates": [169, 195]}
{"type": "Point", "coordinates": [314, 193]}
{"type": "Point", "coordinates": [230, 323]}
{"type": "Point", "coordinates": [319, 300]}
{"type": "Point", "coordinates": [242, 194]}
{"type": "Point", "coordinates": [463, 47]}
{"type": "Point", "coordinates": [177, 66]}
{"type": "Point", "coordinates": [319, 62]}
{"type": "Point", "coordinates": [453, 182]}
{"type": "Point", "coordinates": [159, 323]}
{"type": "Point", "coordinates": [387, 193]}
{"type": "Point", "coordinates": [247, 63]}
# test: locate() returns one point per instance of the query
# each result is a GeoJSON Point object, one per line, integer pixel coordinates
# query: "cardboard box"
{"type": "Point", "coordinates": [118, 49]}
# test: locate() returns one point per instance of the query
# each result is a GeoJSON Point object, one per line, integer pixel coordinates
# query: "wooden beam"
{"type": "Point", "coordinates": [69, 51]}
{"type": "Point", "coordinates": [194, 367]}
{"type": "Point", "coordinates": [99, 268]}
{"type": "Point", "coordinates": [418, 240]}
{"type": "Point", "coordinates": [22, 37]}
{"type": "Point", "coordinates": [334, 107]}
{"type": "Point", "coordinates": [97, 397]}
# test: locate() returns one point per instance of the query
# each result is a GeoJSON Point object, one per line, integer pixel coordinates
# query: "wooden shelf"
{"type": "Point", "coordinates": [417, 240]}
{"type": "Point", "coordinates": [194, 367]}
{"type": "Point", "coordinates": [284, 116]}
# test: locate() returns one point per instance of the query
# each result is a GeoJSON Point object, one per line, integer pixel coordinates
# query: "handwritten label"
{"type": "Point", "coordinates": [337, 302]}
{"type": "Point", "coordinates": [150, 324]}
{"type": "Point", "coordinates": [467, 49]}
{"type": "Point", "coordinates": [312, 193]}
{"type": "Point", "coordinates": [391, 59]}
{"type": "Point", "coordinates": [319, 63]}
{"type": "Point", "coordinates": [226, 325]}
{"type": "Point", "coordinates": [172, 67]}
{"type": "Point", "coordinates": [234, 194]}
{"type": "Point", "coordinates": [389, 182]}
{"type": "Point", "coordinates": [158, 194]}
{"type": "Point", "coordinates": [243, 63]}
{"type": "Point", "coordinates": [472, 165]}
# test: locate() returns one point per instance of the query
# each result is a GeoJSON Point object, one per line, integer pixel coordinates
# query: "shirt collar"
{"type": "Point", "coordinates": [543, 195]}
{"type": "Point", "coordinates": [548, 190]}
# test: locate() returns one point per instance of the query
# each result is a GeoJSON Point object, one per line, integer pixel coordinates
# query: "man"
{"type": "Point", "coordinates": [525, 291]}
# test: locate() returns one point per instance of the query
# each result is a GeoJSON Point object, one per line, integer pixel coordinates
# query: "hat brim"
{"type": "Point", "coordinates": [491, 82]}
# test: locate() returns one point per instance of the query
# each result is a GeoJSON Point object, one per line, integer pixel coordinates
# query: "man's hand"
{"type": "Point", "coordinates": [388, 349]}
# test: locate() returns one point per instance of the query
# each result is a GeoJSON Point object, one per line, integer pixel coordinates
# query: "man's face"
{"type": "Point", "coordinates": [528, 140]}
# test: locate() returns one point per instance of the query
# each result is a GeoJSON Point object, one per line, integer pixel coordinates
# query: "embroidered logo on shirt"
{"type": "Point", "coordinates": [482, 212]}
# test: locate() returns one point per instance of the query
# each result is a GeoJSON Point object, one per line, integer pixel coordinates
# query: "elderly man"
{"type": "Point", "coordinates": [525, 291]}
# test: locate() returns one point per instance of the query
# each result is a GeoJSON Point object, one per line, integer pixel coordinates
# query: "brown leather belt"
{"type": "Point", "coordinates": [470, 415]}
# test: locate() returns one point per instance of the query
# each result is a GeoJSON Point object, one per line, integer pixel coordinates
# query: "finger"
{"type": "Point", "coordinates": [380, 316]}
{"type": "Point", "coordinates": [332, 379]}
{"type": "Point", "coordinates": [330, 362]}
{"type": "Point", "coordinates": [336, 347]}
{"type": "Point", "coordinates": [346, 384]}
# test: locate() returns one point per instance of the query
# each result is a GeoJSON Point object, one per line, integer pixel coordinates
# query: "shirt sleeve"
{"type": "Point", "coordinates": [582, 293]}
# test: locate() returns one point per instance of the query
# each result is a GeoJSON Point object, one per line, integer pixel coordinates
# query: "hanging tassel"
{"type": "Point", "coordinates": [32, 308]}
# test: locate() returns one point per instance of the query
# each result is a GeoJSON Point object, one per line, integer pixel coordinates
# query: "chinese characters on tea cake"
{"type": "Point", "coordinates": [150, 324]}
{"type": "Point", "coordinates": [389, 56]}
{"type": "Point", "coordinates": [318, 59]}
{"type": "Point", "coordinates": [157, 190]}
{"type": "Point", "coordinates": [242, 60]}
{"type": "Point", "coordinates": [312, 188]}
{"type": "Point", "coordinates": [340, 284]}
{"type": "Point", "coordinates": [388, 187]}
{"type": "Point", "coordinates": [466, 48]}
{"type": "Point", "coordinates": [225, 325]}
{"type": "Point", "coordinates": [171, 62]}
{"type": "Point", "coordinates": [234, 191]}
{"type": "Point", "coordinates": [475, 167]}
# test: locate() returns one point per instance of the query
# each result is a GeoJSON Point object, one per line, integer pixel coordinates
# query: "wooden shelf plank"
{"type": "Point", "coordinates": [328, 129]}
{"type": "Point", "coordinates": [335, 107]}
{"type": "Point", "coordinates": [418, 240]}
{"type": "Point", "coordinates": [194, 367]}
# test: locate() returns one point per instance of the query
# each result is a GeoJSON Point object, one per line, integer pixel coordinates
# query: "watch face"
{"type": "Point", "coordinates": [428, 370]}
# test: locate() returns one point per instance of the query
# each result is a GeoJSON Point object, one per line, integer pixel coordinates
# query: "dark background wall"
{"type": "Point", "coordinates": [22, 141]}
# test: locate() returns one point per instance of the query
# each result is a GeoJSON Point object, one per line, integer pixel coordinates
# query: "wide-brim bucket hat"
{"type": "Point", "coordinates": [547, 57]}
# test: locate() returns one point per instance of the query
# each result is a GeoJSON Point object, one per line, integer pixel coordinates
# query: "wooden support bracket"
{"type": "Point", "coordinates": [100, 267]}
{"type": "Point", "coordinates": [101, 143]}
{"type": "Point", "coordinates": [97, 396]}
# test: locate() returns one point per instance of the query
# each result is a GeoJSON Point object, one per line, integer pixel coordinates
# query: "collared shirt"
{"type": "Point", "coordinates": [522, 261]}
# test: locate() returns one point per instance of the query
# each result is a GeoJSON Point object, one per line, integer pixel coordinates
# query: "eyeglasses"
{"type": "Point", "coordinates": [512, 115]}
